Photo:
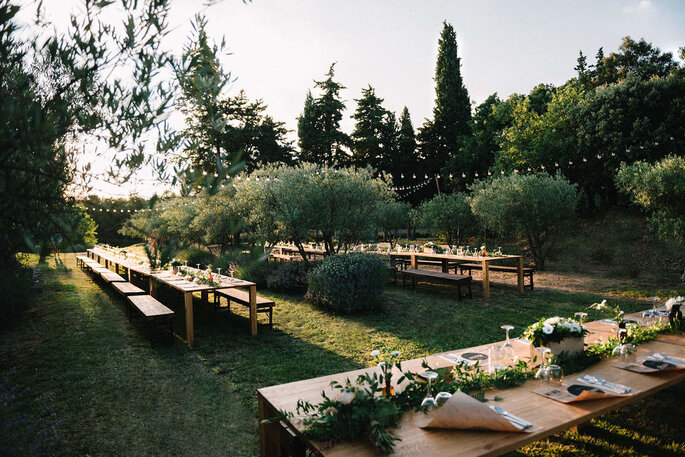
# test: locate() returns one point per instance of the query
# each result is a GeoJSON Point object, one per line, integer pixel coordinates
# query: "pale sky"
{"type": "Point", "coordinates": [278, 47]}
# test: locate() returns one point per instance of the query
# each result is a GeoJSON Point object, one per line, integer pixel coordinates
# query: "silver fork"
{"type": "Point", "coordinates": [515, 420]}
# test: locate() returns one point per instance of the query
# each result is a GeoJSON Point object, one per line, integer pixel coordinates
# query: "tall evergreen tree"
{"type": "Point", "coordinates": [320, 137]}
{"type": "Point", "coordinates": [369, 130]}
{"type": "Point", "coordinates": [406, 159]}
{"type": "Point", "coordinates": [440, 138]}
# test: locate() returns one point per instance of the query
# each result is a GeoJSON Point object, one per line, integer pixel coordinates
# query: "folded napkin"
{"type": "Point", "coordinates": [582, 389]}
{"type": "Point", "coordinates": [653, 363]}
{"type": "Point", "coordinates": [462, 411]}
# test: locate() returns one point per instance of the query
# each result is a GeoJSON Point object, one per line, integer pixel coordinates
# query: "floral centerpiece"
{"type": "Point", "coordinates": [432, 248]}
{"type": "Point", "coordinates": [387, 359]}
{"type": "Point", "coordinates": [174, 266]}
{"type": "Point", "coordinates": [206, 277]}
{"type": "Point", "coordinates": [559, 334]}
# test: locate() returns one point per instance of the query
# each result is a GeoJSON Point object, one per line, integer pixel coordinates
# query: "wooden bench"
{"type": "Point", "coordinates": [285, 257]}
{"type": "Point", "coordinates": [264, 305]}
{"type": "Point", "coordinates": [82, 260]}
{"type": "Point", "coordinates": [126, 289]}
{"type": "Point", "coordinates": [152, 310]}
{"type": "Point", "coordinates": [111, 277]}
{"type": "Point", "coordinates": [527, 271]}
{"type": "Point", "coordinates": [458, 279]}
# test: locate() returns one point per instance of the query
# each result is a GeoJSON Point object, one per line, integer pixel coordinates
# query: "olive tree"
{"type": "Point", "coordinates": [537, 206]}
{"type": "Point", "coordinates": [446, 216]}
{"type": "Point", "coordinates": [299, 203]}
{"type": "Point", "coordinates": [392, 217]}
{"type": "Point", "coordinates": [659, 189]}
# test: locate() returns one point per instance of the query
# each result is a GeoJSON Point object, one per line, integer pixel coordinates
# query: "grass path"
{"type": "Point", "coordinates": [116, 395]}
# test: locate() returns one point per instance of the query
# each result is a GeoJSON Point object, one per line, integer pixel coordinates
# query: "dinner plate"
{"type": "Point", "coordinates": [577, 389]}
{"type": "Point", "coordinates": [657, 364]}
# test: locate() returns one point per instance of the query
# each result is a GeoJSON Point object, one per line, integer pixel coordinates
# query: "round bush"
{"type": "Point", "coordinates": [291, 276]}
{"type": "Point", "coordinates": [348, 283]}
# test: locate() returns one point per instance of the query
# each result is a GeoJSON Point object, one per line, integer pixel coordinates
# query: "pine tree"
{"type": "Point", "coordinates": [370, 127]}
{"type": "Point", "coordinates": [320, 137]}
{"type": "Point", "coordinates": [441, 137]}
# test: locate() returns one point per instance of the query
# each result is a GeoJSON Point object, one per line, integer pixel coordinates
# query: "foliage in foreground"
{"type": "Point", "coordinates": [537, 206]}
{"type": "Point", "coordinates": [348, 283]}
{"type": "Point", "coordinates": [659, 189]}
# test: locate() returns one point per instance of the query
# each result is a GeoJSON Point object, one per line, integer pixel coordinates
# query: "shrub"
{"type": "Point", "coordinates": [195, 256]}
{"type": "Point", "coordinates": [291, 276]}
{"type": "Point", "coordinates": [348, 283]}
{"type": "Point", "coordinates": [256, 271]}
{"type": "Point", "coordinates": [538, 206]}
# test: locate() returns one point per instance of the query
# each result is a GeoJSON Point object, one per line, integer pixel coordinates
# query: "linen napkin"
{"type": "Point", "coordinates": [462, 411]}
{"type": "Point", "coordinates": [578, 390]}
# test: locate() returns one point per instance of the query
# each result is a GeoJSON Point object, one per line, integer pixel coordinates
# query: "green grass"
{"type": "Point", "coordinates": [117, 395]}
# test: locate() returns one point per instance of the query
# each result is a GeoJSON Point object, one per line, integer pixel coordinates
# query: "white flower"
{"type": "Point", "coordinates": [575, 327]}
{"type": "Point", "coordinates": [547, 329]}
{"type": "Point", "coordinates": [566, 324]}
{"type": "Point", "coordinates": [600, 305]}
{"type": "Point", "coordinates": [674, 301]}
{"type": "Point", "coordinates": [346, 397]}
{"type": "Point", "coordinates": [381, 365]}
{"type": "Point", "coordinates": [375, 353]}
{"type": "Point", "coordinates": [552, 321]}
{"type": "Point", "coordinates": [395, 353]}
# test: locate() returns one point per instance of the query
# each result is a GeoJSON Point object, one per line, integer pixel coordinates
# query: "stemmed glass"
{"type": "Point", "coordinates": [496, 358]}
{"type": "Point", "coordinates": [581, 317]}
{"type": "Point", "coordinates": [543, 371]}
{"type": "Point", "coordinates": [198, 267]}
{"type": "Point", "coordinates": [554, 374]}
{"type": "Point", "coordinates": [218, 271]}
{"type": "Point", "coordinates": [428, 402]}
{"type": "Point", "coordinates": [623, 350]}
{"type": "Point", "coordinates": [507, 348]}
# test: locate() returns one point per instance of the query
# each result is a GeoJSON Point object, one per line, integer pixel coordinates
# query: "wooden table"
{"type": "Point", "coordinates": [178, 283]}
{"type": "Point", "coordinates": [444, 258]}
{"type": "Point", "coordinates": [548, 416]}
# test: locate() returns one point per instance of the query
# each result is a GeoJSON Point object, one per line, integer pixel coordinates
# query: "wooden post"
{"type": "Point", "coordinates": [437, 184]}
{"type": "Point", "coordinates": [253, 309]}
{"type": "Point", "coordinates": [128, 273]}
{"type": "Point", "coordinates": [190, 333]}
{"type": "Point", "coordinates": [486, 279]}
{"type": "Point", "coordinates": [152, 286]}
{"type": "Point", "coordinates": [519, 272]}
{"type": "Point", "coordinates": [412, 259]}
{"type": "Point", "coordinates": [205, 297]}
{"type": "Point", "coordinates": [445, 266]}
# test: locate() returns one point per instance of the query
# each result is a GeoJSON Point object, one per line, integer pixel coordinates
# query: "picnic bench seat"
{"type": "Point", "coordinates": [152, 310]}
{"type": "Point", "coordinates": [264, 305]}
{"type": "Point", "coordinates": [527, 271]}
{"type": "Point", "coordinates": [126, 288]}
{"type": "Point", "coordinates": [111, 277]}
{"type": "Point", "coordinates": [284, 257]}
{"type": "Point", "coordinates": [458, 279]}
{"type": "Point", "coordinates": [82, 260]}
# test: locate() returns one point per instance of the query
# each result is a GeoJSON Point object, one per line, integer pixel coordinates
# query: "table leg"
{"type": "Point", "coordinates": [445, 266]}
{"type": "Point", "coordinates": [269, 434]}
{"type": "Point", "coordinates": [520, 274]}
{"type": "Point", "coordinates": [128, 274]}
{"type": "Point", "coordinates": [152, 286]}
{"type": "Point", "coordinates": [205, 297]}
{"type": "Point", "coordinates": [190, 333]}
{"type": "Point", "coordinates": [253, 309]}
{"type": "Point", "coordinates": [412, 259]}
{"type": "Point", "coordinates": [486, 279]}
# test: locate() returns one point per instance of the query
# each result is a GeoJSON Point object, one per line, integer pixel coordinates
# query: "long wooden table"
{"type": "Point", "coordinates": [175, 282]}
{"type": "Point", "coordinates": [444, 258]}
{"type": "Point", "coordinates": [548, 416]}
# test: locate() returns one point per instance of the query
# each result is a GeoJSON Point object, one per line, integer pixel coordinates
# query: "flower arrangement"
{"type": "Point", "coordinates": [614, 313]}
{"type": "Point", "coordinates": [554, 330]}
{"type": "Point", "coordinates": [387, 359]}
{"type": "Point", "coordinates": [674, 301]}
{"type": "Point", "coordinates": [202, 277]}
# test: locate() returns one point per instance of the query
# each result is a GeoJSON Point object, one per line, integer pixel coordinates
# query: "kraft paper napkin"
{"type": "Point", "coordinates": [462, 411]}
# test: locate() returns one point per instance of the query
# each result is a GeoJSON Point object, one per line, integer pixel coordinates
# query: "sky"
{"type": "Point", "coordinates": [277, 48]}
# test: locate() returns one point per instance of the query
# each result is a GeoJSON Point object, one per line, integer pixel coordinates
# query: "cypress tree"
{"type": "Point", "coordinates": [441, 138]}
{"type": "Point", "coordinates": [369, 130]}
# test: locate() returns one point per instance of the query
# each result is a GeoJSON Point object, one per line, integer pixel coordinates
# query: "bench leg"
{"type": "Point", "coordinates": [531, 281]}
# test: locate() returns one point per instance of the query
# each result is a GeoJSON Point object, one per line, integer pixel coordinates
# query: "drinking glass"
{"type": "Point", "coordinates": [496, 358]}
{"type": "Point", "coordinates": [428, 402]}
{"type": "Point", "coordinates": [507, 348]}
{"type": "Point", "coordinates": [555, 374]}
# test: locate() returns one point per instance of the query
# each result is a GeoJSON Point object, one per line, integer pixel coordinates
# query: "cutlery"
{"type": "Point", "coordinates": [517, 421]}
{"type": "Point", "coordinates": [667, 358]}
{"type": "Point", "coordinates": [604, 384]}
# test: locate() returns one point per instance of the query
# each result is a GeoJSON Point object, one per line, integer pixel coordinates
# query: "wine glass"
{"type": "Point", "coordinates": [507, 348]}
{"type": "Point", "coordinates": [428, 402]}
{"type": "Point", "coordinates": [218, 271]}
{"type": "Point", "coordinates": [580, 316]}
{"type": "Point", "coordinates": [543, 371]}
{"type": "Point", "coordinates": [198, 267]}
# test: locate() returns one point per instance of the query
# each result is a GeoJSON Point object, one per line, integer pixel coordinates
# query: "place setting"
{"type": "Point", "coordinates": [654, 362]}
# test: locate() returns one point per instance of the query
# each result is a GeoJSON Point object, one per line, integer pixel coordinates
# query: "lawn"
{"type": "Point", "coordinates": [116, 395]}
